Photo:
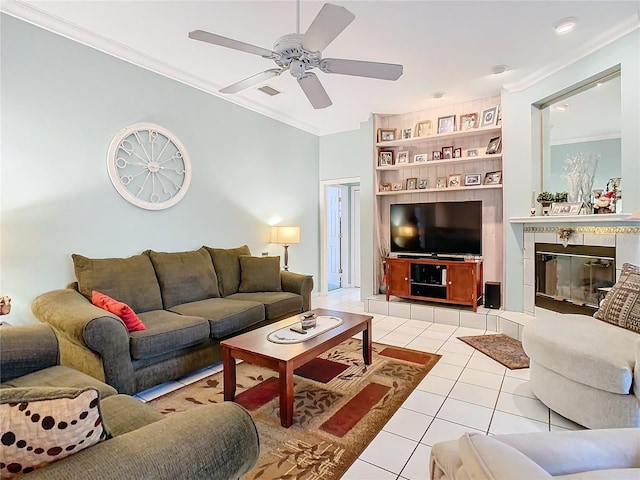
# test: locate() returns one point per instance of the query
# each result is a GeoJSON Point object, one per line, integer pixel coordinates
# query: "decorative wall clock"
{"type": "Point", "coordinates": [149, 166]}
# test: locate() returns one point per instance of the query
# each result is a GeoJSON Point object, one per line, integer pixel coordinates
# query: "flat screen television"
{"type": "Point", "coordinates": [437, 228]}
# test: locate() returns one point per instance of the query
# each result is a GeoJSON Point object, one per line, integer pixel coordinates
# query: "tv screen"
{"type": "Point", "coordinates": [444, 228]}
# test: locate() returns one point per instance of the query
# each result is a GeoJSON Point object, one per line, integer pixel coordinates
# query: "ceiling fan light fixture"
{"type": "Point", "coordinates": [498, 69]}
{"type": "Point", "coordinates": [565, 25]}
{"type": "Point", "coordinates": [437, 95]}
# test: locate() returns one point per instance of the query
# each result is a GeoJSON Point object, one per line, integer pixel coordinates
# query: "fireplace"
{"type": "Point", "coordinates": [572, 279]}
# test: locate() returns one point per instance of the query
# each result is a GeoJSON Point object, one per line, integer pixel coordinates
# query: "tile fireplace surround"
{"type": "Point", "coordinates": [593, 230]}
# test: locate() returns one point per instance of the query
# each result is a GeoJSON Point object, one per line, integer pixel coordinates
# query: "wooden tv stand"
{"type": "Point", "coordinates": [435, 280]}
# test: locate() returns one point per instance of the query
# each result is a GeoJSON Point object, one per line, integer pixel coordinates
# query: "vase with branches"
{"type": "Point", "coordinates": [383, 253]}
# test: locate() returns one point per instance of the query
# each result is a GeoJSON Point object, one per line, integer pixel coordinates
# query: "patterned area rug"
{"type": "Point", "coordinates": [340, 405]}
{"type": "Point", "coordinates": [502, 348]}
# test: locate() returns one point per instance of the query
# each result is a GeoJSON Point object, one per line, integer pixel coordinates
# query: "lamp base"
{"type": "Point", "coordinates": [286, 258]}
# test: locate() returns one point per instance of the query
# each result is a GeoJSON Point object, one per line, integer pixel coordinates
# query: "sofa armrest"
{"type": "Point", "coordinates": [27, 349]}
{"type": "Point", "coordinates": [300, 284]}
{"type": "Point", "coordinates": [86, 332]}
{"type": "Point", "coordinates": [218, 441]}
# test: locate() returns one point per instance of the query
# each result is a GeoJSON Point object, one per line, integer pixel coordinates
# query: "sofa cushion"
{"type": "Point", "coordinates": [129, 280]}
{"type": "Point", "coordinates": [184, 276]}
{"type": "Point", "coordinates": [276, 304]}
{"type": "Point", "coordinates": [167, 332]}
{"type": "Point", "coordinates": [583, 349]}
{"type": "Point", "coordinates": [41, 425]}
{"type": "Point", "coordinates": [259, 274]}
{"type": "Point", "coordinates": [121, 310]}
{"type": "Point", "coordinates": [226, 262]}
{"type": "Point", "coordinates": [621, 306]}
{"type": "Point", "coordinates": [226, 317]}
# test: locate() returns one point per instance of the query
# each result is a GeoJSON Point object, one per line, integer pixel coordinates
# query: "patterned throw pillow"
{"type": "Point", "coordinates": [621, 306]}
{"type": "Point", "coordinates": [41, 425]}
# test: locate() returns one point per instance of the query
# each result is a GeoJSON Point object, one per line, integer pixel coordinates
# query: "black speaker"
{"type": "Point", "coordinates": [492, 294]}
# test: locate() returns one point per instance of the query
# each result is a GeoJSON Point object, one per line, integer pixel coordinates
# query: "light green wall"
{"type": "Point", "coordinates": [521, 146]}
{"type": "Point", "coordinates": [62, 103]}
{"type": "Point", "coordinates": [346, 155]}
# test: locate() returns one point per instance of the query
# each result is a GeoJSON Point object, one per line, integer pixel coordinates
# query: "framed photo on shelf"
{"type": "Point", "coordinates": [406, 133]}
{"type": "Point", "coordinates": [441, 182]}
{"type": "Point", "coordinates": [386, 134]}
{"type": "Point", "coordinates": [489, 117]}
{"type": "Point", "coordinates": [412, 183]}
{"type": "Point", "coordinates": [395, 186]}
{"type": "Point", "coordinates": [472, 152]}
{"type": "Point", "coordinates": [385, 158]}
{"type": "Point", "coordinates": [468, 121]}
{"type": "Point", "coordinates": [457, 153]}
{"type": "Point", "coordinates": [420, 158]}
{"type": "Point", "coordinates": [385, 187]}
{"type": "Point", "coordinates": [435, 155]}
{"type": "Point", "coordinates": [493, 178]}
{"type": "Point", "coordinates": [494, 145]}
{"type": "Point", "coordinates": [472, 179]}
{"type": "Point", "coordinates": [447, 124]}
{"type": "Point", "coordinates": [423, 128]}
{"type": "Point", "coordinates": [564, 208]}
{"type": "Point", "coordinates": [447, 153]}
{"type": "Point", "coordinates": [423, 183]}
{"type": "Point", "coordinates": [403, 157]}
{"type": "Point", "coordinates": [454, 180]}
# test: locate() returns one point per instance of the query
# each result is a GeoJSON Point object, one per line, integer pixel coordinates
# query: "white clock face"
{"type": "Point", "coordinates": [149, 166]}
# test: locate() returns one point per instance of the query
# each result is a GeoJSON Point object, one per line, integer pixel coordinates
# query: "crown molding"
{"type": "Point", "coordinates": [596, 43]}
{"type": "Point", "coordinates": [31, 14]}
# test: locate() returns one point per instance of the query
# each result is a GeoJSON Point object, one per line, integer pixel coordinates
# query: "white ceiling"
{"type": "Point", "coordinates": [447, 46]}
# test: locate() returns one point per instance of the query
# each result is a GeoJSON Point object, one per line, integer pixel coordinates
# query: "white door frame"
{"type": "Point", "coordinates": [354, 247]}
{"type": "Point", "coordinates": [323, 227]}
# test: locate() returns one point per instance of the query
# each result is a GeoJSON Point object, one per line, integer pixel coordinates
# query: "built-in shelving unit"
{"type": "Point", "coordinates": [432, 163]}
{"type": "Point", "coordinates": [472, 132]}
{"type": "Point", "coordinates": [449, 189]}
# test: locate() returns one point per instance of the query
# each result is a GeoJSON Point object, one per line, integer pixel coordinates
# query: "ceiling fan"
{"type": "Point", "coordinates": [300, 53]}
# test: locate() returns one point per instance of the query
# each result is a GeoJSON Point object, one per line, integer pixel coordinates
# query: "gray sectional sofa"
{"type": "Point", "coordinates": [188, 301]}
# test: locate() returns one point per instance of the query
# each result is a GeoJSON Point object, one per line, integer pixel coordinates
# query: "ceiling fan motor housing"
{"type": "Point", "coordinates": [289, 48]}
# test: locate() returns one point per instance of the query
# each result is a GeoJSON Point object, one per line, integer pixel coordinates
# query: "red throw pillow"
{"type": "Point", "coordinates": [120, 309]}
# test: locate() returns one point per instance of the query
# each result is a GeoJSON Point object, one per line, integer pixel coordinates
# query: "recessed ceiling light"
{"type": "Point", "coordinates": [498, 69]}
{"type": "Point", "coordinates": [565, 25]}
{"type": "Point", "coordinates": [562, 106]}
{"type": "Point", "coordinates": [437, 94]}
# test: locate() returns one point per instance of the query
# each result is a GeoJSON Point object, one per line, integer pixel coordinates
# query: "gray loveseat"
{"type": "Point", "coordinates": [188, 302]}
{"type": "Point", "coordinates": [216, 441]}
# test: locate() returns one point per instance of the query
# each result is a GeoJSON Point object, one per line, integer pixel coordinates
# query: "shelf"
{"type": "Point", "coordinates": [441, 190]}
{"type": "Point", "coordinates": [564, 219]}
{"type": "Point", "coordinates": [441, 136]}
{"type": "Point", "coordinates": [432, 163]}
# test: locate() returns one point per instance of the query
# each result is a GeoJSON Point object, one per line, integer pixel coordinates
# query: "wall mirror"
{"type": "Point", "coordinates": [581, 137]}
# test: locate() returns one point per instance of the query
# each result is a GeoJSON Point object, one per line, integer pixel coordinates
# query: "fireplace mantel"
{"type": "Point", "coordinates": [608, 218]}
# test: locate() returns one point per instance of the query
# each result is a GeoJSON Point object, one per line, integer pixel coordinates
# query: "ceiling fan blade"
{"type": "Point", "coordinates": [314, 91]}
{"type": "Point", "coordinates": [328, 24]}
{"type": "Point", "coordinates": [383, 71]}
{"type": "Point", "coordinates": [251, 81]}
{"type": "Point", "coordinates": [231, 43]}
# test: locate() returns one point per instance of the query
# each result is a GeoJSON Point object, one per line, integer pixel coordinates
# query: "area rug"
{"type": "Point", "coordinates": [502, 348]}
{"type": "Point", "coordinates": [340, 405]}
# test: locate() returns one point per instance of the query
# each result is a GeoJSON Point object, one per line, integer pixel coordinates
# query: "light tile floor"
{"type": "Point", "coordinates": [465, 392]}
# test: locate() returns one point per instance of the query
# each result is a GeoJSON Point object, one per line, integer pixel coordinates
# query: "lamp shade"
{"type": "Point", "coordinates": [285, 235]}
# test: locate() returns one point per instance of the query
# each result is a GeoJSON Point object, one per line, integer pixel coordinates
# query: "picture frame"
{"type": "Point", "coordinates": [468, 121]}
{"type": "Point", "coordinates": [472, 179]}
{"type": "Point", "coordinates": [457, 153]}
{"type": "Point", "coordinates": [565, 208]}
{"type": "Point", "coordinates": [447, 152]}
{"type": "Point", "coordinates": [447, 124]}
{"type": "Point", "coordinates": [424, 128]}
{"type": "Point", "coordinates": [489, 117]}
{"type": "Point", "coordinates": [385, 187]}
{"type": "Point", "coordinates": [493, 178]}
{"type": "Point", "coordinates": [387, 134]}
{"type": "Point", "coordinates": [472, 152]}
{"type": "Point", "coordinates": [494, 146]}
{"type": "Point", "coordinates": [406, 133]}
{"type": "Point", "coordinates": [412, 183]}
{"type": "Point", "coordinates": [385, 158]}
{"type": "Point", "coordinates": [423, 183]}
{"type": "Point", "coordinates": [395, 186]}
{"type": "Point", "coordinates": [402, 157]}
{"type": "Point", "coordinates": [420, 158]}
{"type": "Point", "coordinates": [454, 180]}
{"type": "Point", "coordinates": [436, 155]}
{"type": "Point", "coordinates": [441, 182]}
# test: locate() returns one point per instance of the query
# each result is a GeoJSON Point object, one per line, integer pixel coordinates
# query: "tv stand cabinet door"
{"type": "Point", "coordinates": [461, 283]}
{"type": "Point", "coordinates": [398, 273]}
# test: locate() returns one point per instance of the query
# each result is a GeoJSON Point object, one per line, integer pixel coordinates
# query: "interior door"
{"type": "Point", "coordinates": [334, 228]}
{"type": "Point", "coordinates": [355, 237]}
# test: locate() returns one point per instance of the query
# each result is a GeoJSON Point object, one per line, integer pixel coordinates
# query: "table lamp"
{"type": "Point", "coordinates": [285, 235]}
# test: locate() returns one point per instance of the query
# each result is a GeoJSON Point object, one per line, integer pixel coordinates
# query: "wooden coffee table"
{"type": "Point", "coordinates": [253, 347]}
